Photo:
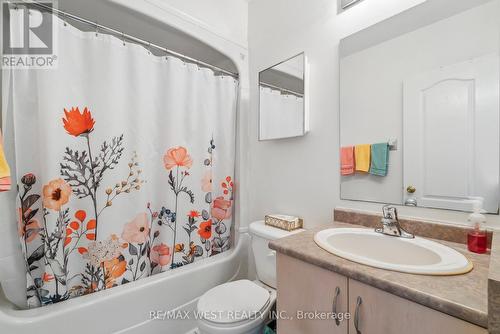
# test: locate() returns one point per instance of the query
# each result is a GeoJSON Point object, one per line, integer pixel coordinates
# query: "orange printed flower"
{"type": "Point", "coordinates": [179, 248]}
{"type": "Point", "coordinates": [193, 214]}
{"type": "Point", "coordinates": [55, 194]}
{"type": "Point", "coordinates": [161, 254]}
{"type": "Point", "coordinates": [137, 231]}
{"type": "Point", "coordinates": [206, 182]}
{"type": "Point", "coordinates": [221, 208]}
{"type": "Point", "coordinates": [30, 230]}
{"type": "Point", "coordinates": [114, 269]}
{"type": "Point", "coordinates": [81, 215]}
{"type": "Point", "coordinates": [76, 123]}
{"type": "Point", "coordinates": [177, 156]}
{"type": "Point", "coordinates": [67, 241]}
{"type": "Point", "coordinates": [205, 229]}
{"type": "Point", "coordinates": [91, 224]}
{"type": "Point", "coordinates": [192, 248]}
{"type": "Point", "coordinates": [47, 277]}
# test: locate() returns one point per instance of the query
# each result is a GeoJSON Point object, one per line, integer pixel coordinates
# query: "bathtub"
{"type": "Point", "coordinates": [127, 308]}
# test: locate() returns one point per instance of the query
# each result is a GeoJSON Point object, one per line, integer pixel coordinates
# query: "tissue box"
{"type": "Point", "coordinates": [284, 222]}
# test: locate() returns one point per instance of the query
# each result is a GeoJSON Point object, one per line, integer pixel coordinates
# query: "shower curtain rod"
{"type": "Point", "coordinates": [283, 90]}
{"type": "Point", "coordinates": [137, 40]}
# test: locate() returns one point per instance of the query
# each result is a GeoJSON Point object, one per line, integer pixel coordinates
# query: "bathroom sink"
{"type": "Point", "coordinates": [415, 256]}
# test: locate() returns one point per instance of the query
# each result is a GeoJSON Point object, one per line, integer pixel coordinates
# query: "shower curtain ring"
{"type": "Point", "coordinates": [65, 23]}
{"type": "Point", "coordinates": [149, 47]}
{"type": "Point", "coordinates": [96, 29]}
{"type": "Point", "coordinates": [123, 39]}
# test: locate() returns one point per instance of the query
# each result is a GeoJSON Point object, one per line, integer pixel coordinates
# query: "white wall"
{"type": "Point", "coordinates": [227, 18]}
{"type": "Point", "coordinates": [300, 176]}
{"type": "Point", "coordinates": [371, 91]}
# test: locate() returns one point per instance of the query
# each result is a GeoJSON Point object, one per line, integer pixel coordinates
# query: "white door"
{"type": "Point", "coordinates": [451, 135]}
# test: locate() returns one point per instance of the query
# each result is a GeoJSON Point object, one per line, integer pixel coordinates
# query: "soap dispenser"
{"type": "Point", "coordinates": [477, 240]}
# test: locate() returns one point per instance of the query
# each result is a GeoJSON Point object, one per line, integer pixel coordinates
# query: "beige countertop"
{"type": "Point", "coordinates": [494, 286]}
{"type": "Point", "coordinates": [462, 296]}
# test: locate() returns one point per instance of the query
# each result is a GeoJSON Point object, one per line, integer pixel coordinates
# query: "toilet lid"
{"type": "Point", "coordinates": [233, 302]}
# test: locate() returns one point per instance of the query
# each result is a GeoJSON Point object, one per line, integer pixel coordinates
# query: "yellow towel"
{"type": "Point", "coordinates": [4, 167]}
{"type": "Point", "coordinates": [362, 156]}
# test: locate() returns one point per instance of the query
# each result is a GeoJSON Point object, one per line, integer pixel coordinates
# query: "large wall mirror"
{"type": "Point", "coordinates": [282, 100]}
{"type": "Point", "coordinates": [419, 108]}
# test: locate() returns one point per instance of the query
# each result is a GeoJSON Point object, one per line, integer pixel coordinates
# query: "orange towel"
{"type": "Point", "coordinates": [347, 160]}
{"type": "Point", "coordinates": [5, 184]}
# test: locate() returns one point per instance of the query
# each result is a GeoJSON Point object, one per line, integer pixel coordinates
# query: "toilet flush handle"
{"type": "Point", "coordinates": [272, 253]}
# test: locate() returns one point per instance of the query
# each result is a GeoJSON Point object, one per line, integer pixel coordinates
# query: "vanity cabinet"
{"type": "Point", "coordinates": [302, 288]}
{"type": "Point", "coordinates": [380, 312]}
{"type": "Point", "coordinates": [306, 287]}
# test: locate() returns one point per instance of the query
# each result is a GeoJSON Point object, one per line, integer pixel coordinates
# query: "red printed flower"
{"type": "Point", "coordinates": [193, 214]}
{"type": "Point", "coordinates": [76, 123]}
{"type": "Point", "coordinates": [205, 229]}
{"type": "Point", "coordinates": [47, 278]}
{"type": "Point", "coordinates": [227, 185]}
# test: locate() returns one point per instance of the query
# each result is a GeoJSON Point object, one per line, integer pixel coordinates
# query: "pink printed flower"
{"type": "Point", "coordinates": [206, 181]}
{"type": "Point", "coordinates": [137, 230]}
{"type": "Point", "coordinates": [30, 230]}
{"type": "Point", "coordinates": [221, 208]}
{"type": "Point", "coordinates": [177, 156]}
{"type": "Point", "coordinates": [161, 254]}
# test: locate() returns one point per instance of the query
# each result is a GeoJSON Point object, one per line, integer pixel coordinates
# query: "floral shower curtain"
{"type": "Point", "coordinates": [124, 162]}
{"type": "Point", "coordinates": [283, 109]}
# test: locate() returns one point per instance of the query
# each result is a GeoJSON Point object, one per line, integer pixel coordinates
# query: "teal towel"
{"type": "Point", "coordinates": [268, 330]}
{"type": "Point", "coordinates": [379, 159]}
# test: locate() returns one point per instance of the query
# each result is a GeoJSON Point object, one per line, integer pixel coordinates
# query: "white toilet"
{"type": "Point", "coordinates": [243, 307]}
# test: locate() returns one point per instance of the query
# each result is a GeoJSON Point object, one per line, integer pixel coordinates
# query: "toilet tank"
{"type": "Point", "coordinates": [265, 258]}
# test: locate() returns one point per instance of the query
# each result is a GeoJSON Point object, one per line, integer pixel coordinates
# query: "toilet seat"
{"type": "Point", "coordinates": [234, 302]}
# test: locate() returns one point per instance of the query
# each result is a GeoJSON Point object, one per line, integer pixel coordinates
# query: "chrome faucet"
{"type": "Point", "coordinates": [390, 224]}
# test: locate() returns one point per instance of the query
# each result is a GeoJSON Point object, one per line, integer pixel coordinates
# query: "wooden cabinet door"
{"type": "Point", "coordinates": [303, 287]}
{"type": "Point", "coordinates": [383, 313]}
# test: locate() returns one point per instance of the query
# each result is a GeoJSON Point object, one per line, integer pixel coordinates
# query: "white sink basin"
{"type": "Point", "coordinates": [415, 256]}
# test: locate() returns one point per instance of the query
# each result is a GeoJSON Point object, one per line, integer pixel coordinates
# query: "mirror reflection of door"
{"type": "Point", "coordinates": [451, 131]}
{"type": "Point", "coordinates": [428, 80]}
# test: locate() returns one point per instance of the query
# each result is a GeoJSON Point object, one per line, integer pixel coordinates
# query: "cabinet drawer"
{"type": "Point", "coordinates": [303, 287]}
{"type": "Point", "coordinates": [383, 313]}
